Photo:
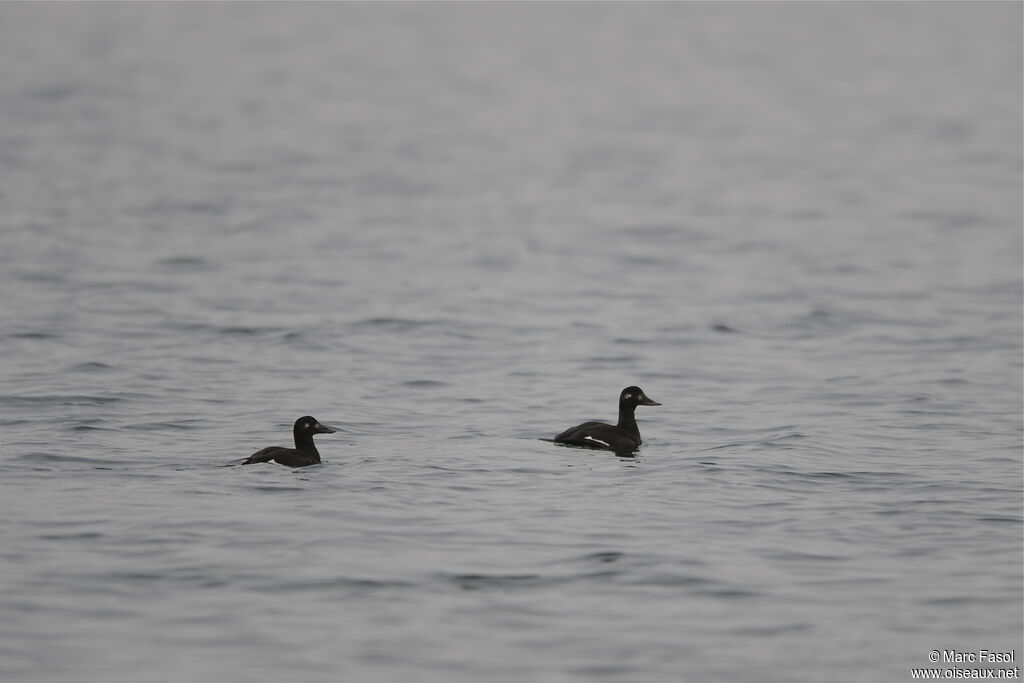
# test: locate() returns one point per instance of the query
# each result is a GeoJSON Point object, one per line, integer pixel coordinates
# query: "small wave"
{"type": "Point", "coordinates": [164, 426]}
{"type": "Point", "coordinates": [424, 384]}
{"type": "Point", "coordinates": [628, 341]}
{"type": "Point", "coordinates": [679, 580]}
{"type": "Point", "coordinates": [266, 488]}
{"type": "Point", "coordinates": [91, 366]}
{"type": "Point", "coordinates": [34, 335]}
{"type": "Point", "coordinates": [798, 556]}
{"type": "Point", "coordinates": [58, 399]}
{"type": "Point", "coordinates": [730, 593]}
{"type": "Point", "coordinates": [92, 427]}
{"type": "Point", "coordinates": [613, 360]}
{"type": "Point", "coordinates": [485, 581]}
{"type": "Point", "coordinates": [851, 477]}
{"type": "Point", "coordinates": [471, 581]}
{"type": "Point", "coordinates": [777, 439]}
{"type": "Point", "coordinates": [604, 556]}
{"type": "Point", "coordinates": [602, 671]}
{"type": "Point", "coordinates": [41, 457]}
{"type": "Point", "coordinates": [168, 207]}
{"type": "Point", "coordinates": [955, 600]}
{"type": "Point", "coordinates": [247, 331]}
{"type": "Point", "coordinates": [1002, 520]}
{"type": "Point", "coordinates": [396, 324]}
{"type": "Point", "coordinates": [336, 583]}
{"type": "Point", "coordinates": [83, 536]}
{"type": "Point", "coordinates": [781, 629]}
{"type": "Point", "coordinates": [184, 262]}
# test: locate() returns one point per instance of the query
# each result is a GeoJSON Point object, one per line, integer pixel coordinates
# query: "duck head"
{"type": "Point", "coordinates": [310, 425]}
{"type": "Point", "coordinates": [635, 396]}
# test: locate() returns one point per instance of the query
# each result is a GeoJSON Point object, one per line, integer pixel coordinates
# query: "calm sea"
{"type": "Point", "coordinates": [454, 229]}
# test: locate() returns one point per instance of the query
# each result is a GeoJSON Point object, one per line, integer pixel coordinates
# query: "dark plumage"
{"type": "Point", "coordinates": [303, 454]}
{"type": "Point", "coordinates": [623, 438]}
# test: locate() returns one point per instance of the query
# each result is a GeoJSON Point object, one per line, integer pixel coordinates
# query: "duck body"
{"type": "Point", "coordinates": [303, 454]}
{"type": "Point", "coordinates": [623, 438]}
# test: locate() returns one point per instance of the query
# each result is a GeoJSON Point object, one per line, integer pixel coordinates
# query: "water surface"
{"type": "Point", "coordinates": [453, 229]}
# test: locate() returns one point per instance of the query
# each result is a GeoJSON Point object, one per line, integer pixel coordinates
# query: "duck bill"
{"type": "Point", "coordinates": [647, 402]}
{"type": "Point", "coordinates": [324, 429]}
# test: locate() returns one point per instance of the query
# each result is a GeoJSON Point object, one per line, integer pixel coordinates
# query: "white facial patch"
{"type": "Point", "coordinates": [590, 438]}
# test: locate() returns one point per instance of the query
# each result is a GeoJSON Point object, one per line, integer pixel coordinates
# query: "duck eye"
{"type": "Point", "coordinates": [628, 396]}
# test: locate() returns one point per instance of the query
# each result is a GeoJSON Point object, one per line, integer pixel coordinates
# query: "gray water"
{"type": "Point", "coordinates": [453, 230]}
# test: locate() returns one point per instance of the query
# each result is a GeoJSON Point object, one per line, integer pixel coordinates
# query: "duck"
{"type": "Point", "coordinates": [303, 454]}
{"type": "Point", "coordinates": [623, 438]}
